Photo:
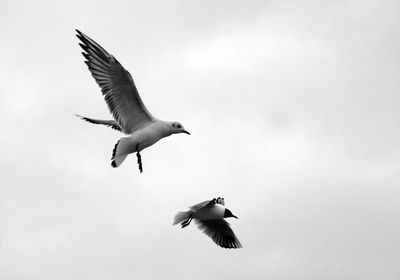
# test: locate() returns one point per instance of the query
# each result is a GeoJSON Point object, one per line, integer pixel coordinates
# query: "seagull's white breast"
{"type": "Point", "coordinates": [148, 135]}
{"type": "Point", "coordinates": [212, 212]}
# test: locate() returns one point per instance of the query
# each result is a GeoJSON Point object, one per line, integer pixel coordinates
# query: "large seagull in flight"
{"type": "Point", "coordinates": [130, 115]}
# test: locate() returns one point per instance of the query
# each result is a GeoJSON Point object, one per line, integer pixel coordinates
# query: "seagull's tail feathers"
{"type": "Point", "coordinates": [121, 150]}
{"type": "Point", "coordinates": [181, 216]}
{"type": "Point", "coordinates": [111, 124]}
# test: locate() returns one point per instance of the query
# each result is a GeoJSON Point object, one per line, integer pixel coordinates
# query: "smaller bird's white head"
{"type": "Point", "coordinates": [176, 127]}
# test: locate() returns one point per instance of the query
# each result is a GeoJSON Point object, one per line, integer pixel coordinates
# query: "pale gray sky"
{"type": "Point", "coordinates": [294, 113]}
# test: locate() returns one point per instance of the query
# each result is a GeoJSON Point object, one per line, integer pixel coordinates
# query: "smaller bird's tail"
{"type": "Point", "coordinates": [181, 216]}
{"type": "Point", "coordinates": [121, 150]}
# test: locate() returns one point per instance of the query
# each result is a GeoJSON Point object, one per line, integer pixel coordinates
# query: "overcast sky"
{"type": "Point", "coordinates": [294, 113]}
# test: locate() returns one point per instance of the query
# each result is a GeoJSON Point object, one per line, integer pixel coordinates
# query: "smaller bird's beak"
{"type": "Point", "coordinates": [235, 216]}
{"type": "Point", "coordinates": [187, 132]}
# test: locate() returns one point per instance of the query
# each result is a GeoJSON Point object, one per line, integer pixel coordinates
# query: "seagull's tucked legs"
{"type": "Point", "coordinates": [187, 222]}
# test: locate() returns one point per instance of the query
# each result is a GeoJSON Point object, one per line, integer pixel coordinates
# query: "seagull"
{"type": "Point", "coordinates": [130, 115]}
{"type": "Point", "coordinates": [209, 217]}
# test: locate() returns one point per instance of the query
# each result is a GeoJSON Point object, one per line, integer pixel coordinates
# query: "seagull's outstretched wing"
{"type": "Point", "coordinates": [117, 86]}
{"type": "Point", "coordinates": [219, 231]}
{"type": "Point", "coordinates": [111, 124]}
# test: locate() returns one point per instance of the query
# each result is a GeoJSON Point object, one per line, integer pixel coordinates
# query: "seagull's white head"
{"type": "Point", "coordinates": [228, 214]}
{"type": "Point", "coordinates": [176, 127]}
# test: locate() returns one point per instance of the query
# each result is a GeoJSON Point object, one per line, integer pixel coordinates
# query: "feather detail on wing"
{"type": "Point", "coordinates": [220, 232]}
{"type": "Point", "coordinates": [117, 85]}
{"type": "Point", "coordinates": [219, 200]}
{"type": "Point", "coordinates": [111, 124]}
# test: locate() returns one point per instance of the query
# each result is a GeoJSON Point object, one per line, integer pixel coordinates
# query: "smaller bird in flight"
{"type": "Point", "coordinates": [209, 217]}
{"type": "Point", "coordinates": [130, 115]}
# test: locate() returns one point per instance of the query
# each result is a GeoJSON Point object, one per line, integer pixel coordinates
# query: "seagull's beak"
{"type": "Point", "coordinates": [187, 132]}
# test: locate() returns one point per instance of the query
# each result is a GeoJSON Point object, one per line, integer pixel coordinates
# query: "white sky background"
{"type": "Point", "coordinates": [294, 114]}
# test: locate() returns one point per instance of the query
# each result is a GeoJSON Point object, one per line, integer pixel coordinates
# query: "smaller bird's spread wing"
{"type": "Point", "coordinates": [117, 86]}
{"type": "Point", "coordinates": [220, 232]}
{"type": "Point", "coordinates": [218, 200]}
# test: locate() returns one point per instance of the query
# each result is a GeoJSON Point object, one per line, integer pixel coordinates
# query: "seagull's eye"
{"type": "Point", "coordinates": [179, 126]}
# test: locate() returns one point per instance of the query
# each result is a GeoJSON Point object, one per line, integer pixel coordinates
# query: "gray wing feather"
{"type": "Point", "coordinates": [117, 85]}
{"type": "Point", "coordinates": [220, 232]}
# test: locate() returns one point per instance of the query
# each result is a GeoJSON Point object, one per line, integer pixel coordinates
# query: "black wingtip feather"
{"type": "Point", "coordinates": [84, 118]}
{"type": "Point", "coordinates": [86, 56]}
{"type": "Point", "coordinates": [84, 47]}
{"type": "Point", "coordinates": [80, 37]}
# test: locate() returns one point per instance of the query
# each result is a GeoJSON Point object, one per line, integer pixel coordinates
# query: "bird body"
{"type": "Point", "coordinates": [125, 104]}
{"type": "Point", "coordinates": [209, 217]}
{"type": "Point", "coordinates": [149, 135]}
{"type": "Point", "coordinates": [209, 212]}
{"type": "Point", "coordinates": [139, 140]}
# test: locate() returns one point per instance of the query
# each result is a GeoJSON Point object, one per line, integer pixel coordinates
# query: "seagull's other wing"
{"type": "Point", "coordinates": [200, 205]}
{"type": "Point", "coordinates": [111, 124]}
{"type": "Point", "coordinates": [219, 231]}
{"type": "Point", "coordinates": [117, 86]}
{"type": "Point", "coordinates": [219, 200]}
{"type": "Point", "coordinates": [206, 203]}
